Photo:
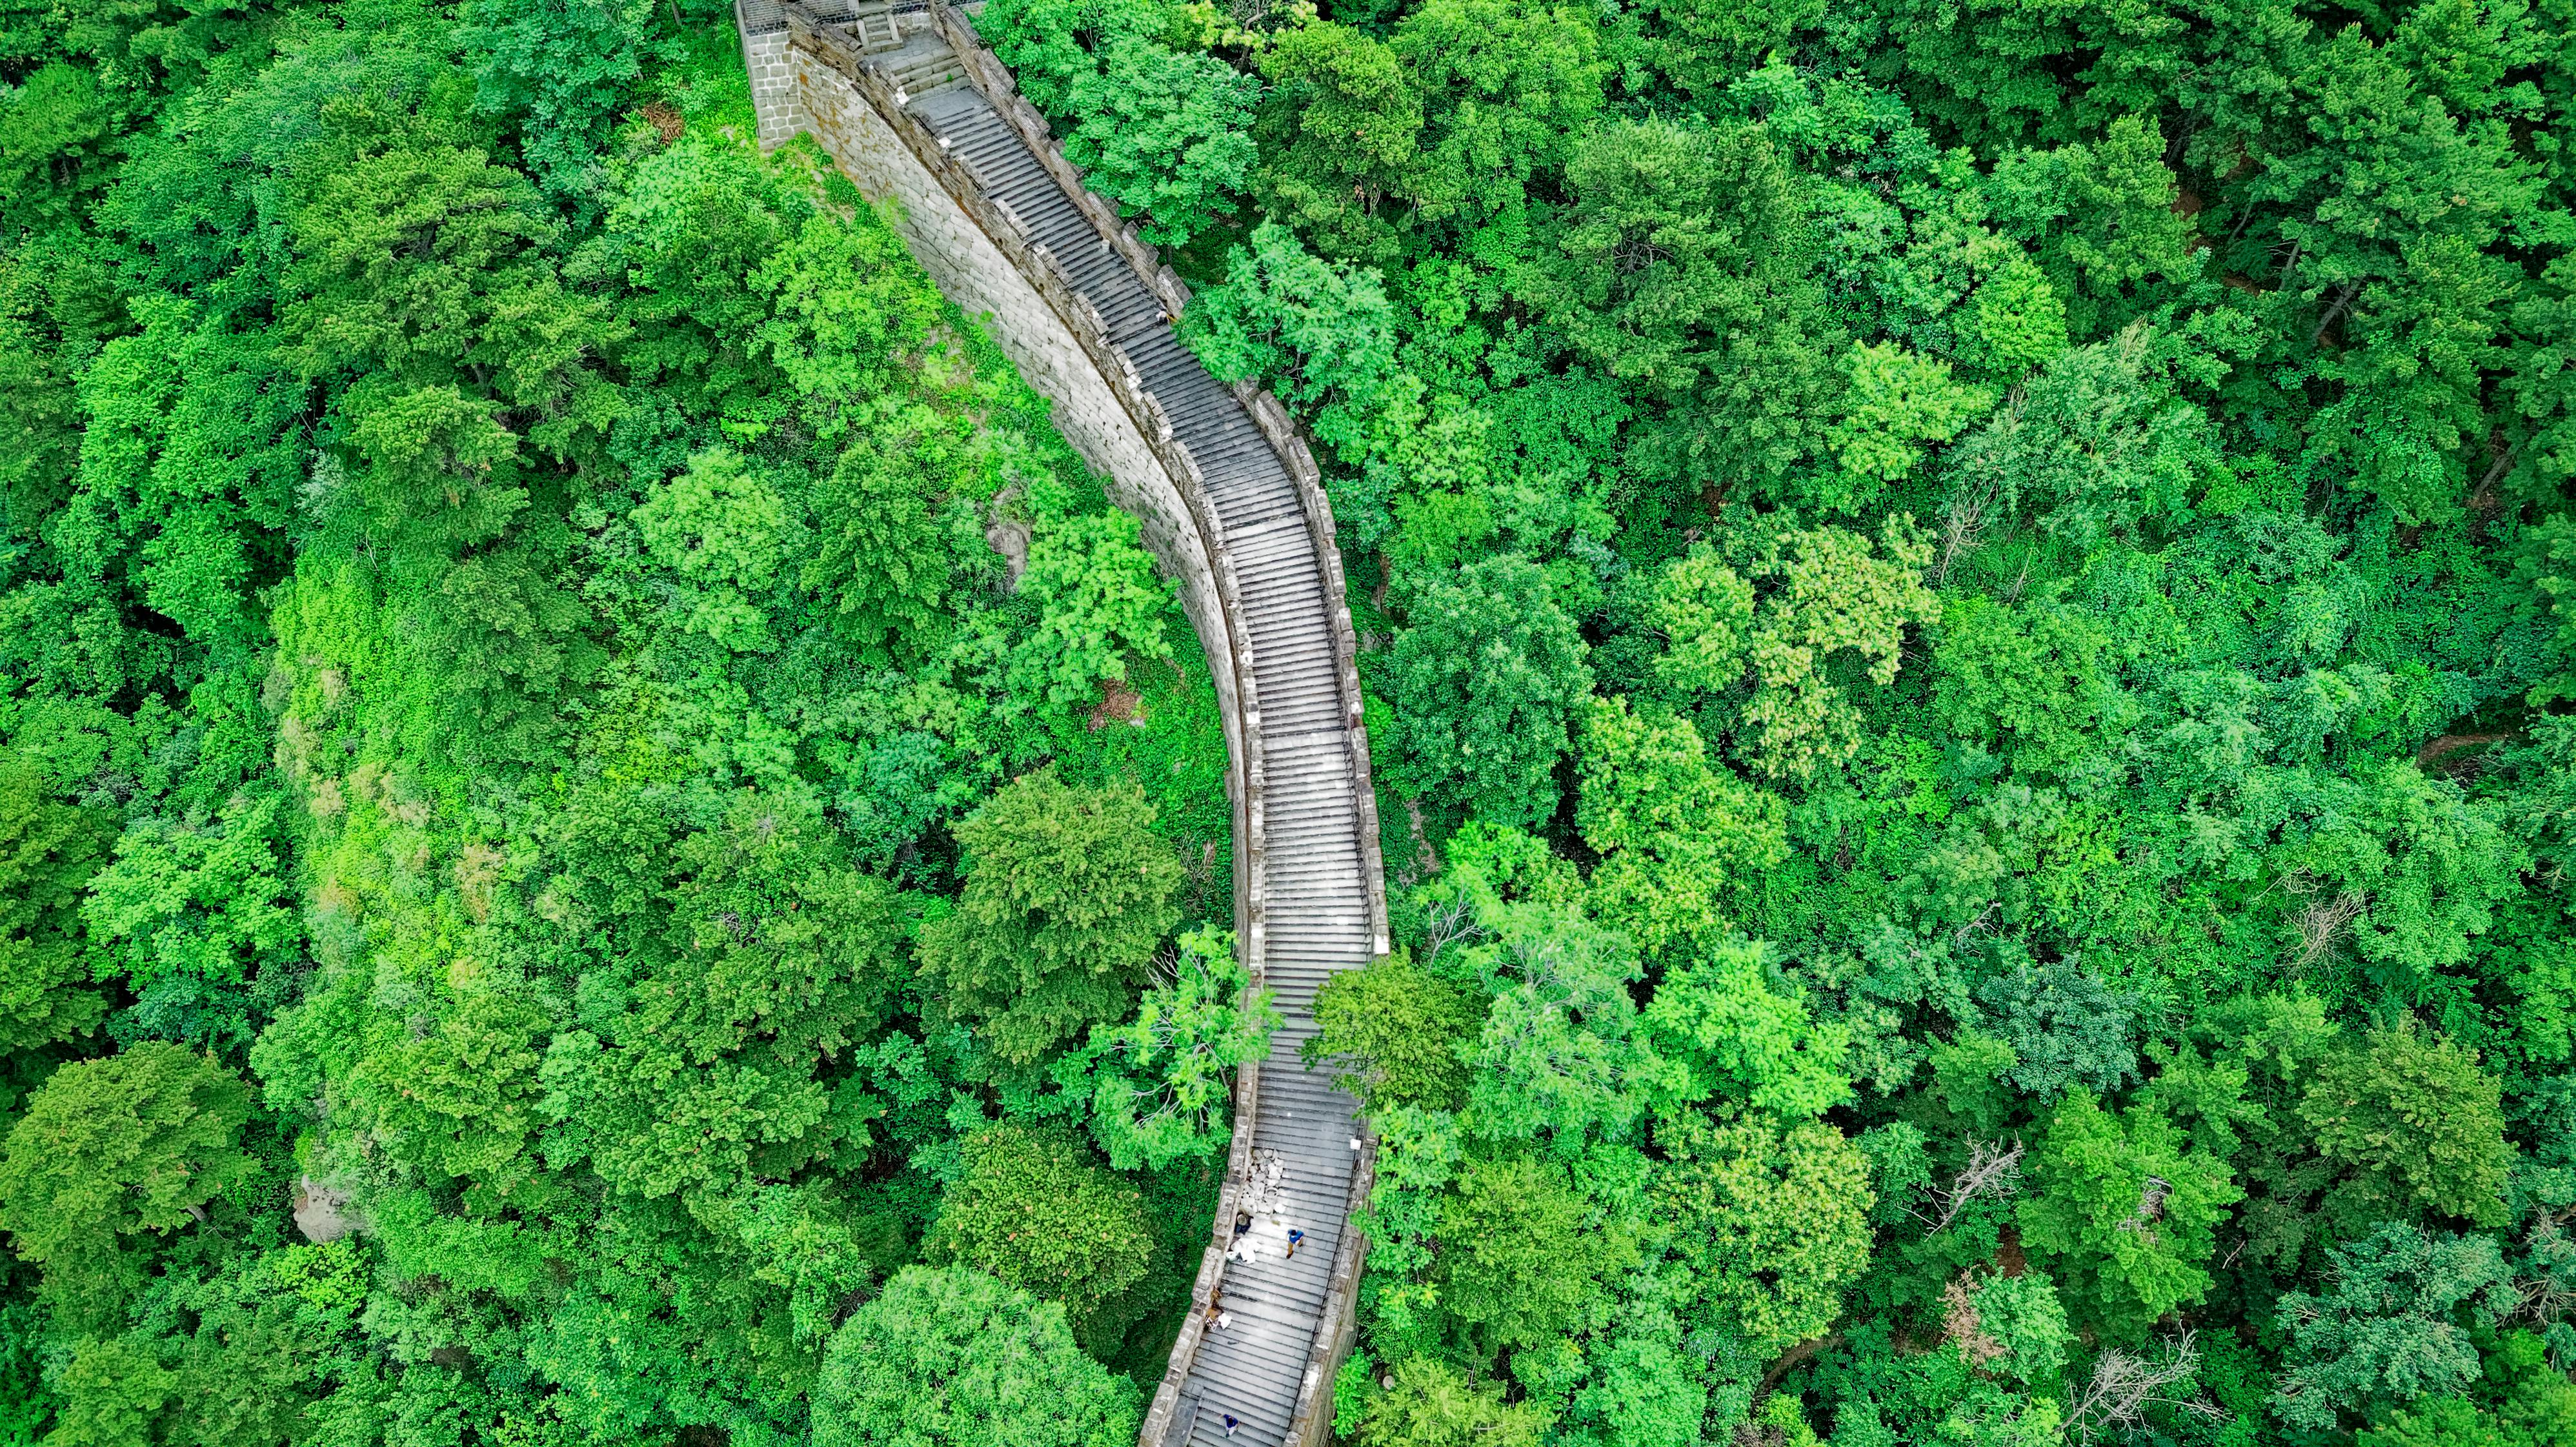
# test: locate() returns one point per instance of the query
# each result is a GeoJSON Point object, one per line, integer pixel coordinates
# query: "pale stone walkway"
{"type": "Point", "coordinates": [1314, 899]}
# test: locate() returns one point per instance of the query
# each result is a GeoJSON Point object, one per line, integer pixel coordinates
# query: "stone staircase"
{"type": "Point", "coordinates": [1310, 891]}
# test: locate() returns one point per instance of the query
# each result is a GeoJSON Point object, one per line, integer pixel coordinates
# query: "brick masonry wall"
{"type": "Point", "coordinates": [794, 90]}
{"type": "Point", "coordinates": [981, 258]}
{"type": "Point", "coordinates": [774, 96]}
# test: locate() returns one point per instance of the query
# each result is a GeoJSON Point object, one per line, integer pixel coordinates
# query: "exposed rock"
{"type": "Point", "coordinates": [1010, 538]}
{"type": "Point", "coordinates": [321, 1212]}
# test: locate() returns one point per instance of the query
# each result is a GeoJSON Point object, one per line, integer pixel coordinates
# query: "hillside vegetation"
{"type": "Point", "coordinates": [604, 838]}
{"type": "Point", "coordinates": [1965, 640]}
{"type": "Point", "coordinates": [567, 713]}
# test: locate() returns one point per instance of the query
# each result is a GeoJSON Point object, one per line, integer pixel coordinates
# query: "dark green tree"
{"type": "Point", "coordinates": [1034, 1208]}
{"type": "Point", "coordinates": [115, 1149]}
{"type": "Point", "coordinates": [1685, 268]}
{"type": "Point", "coordinates": [1068, 894]}
{"type": "Point", "coordinates": [2396, 1325]}
{"type": "Point", "coordinates": [48, 852]}
{"type": "Point", "coordinates": [1485, 679]}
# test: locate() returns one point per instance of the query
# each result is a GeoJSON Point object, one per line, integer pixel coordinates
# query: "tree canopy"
{"type": "Point", "coordinates": [1964, 620]}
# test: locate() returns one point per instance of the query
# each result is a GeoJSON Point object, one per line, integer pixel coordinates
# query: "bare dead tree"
{"type": "Point", "coordinates": [1959, 1320]}
{"type": "Point", "coordinates": [2124, 1385]}
{"type": "Point", "coordinates": [1448, 919]}
{"type": "Point", "coordinates": [1963, 518]}
{"type": "Point", "coordinates": [2323, 919]}
{"type": "Point", "coordinates": [2546, 1295]}
{"type": "Point", "coordinates": [1984, 921]}
{"type": "Point", "coordinates": [1993, 1169]}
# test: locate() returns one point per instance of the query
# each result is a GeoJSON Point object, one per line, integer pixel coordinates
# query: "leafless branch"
{"type": "Point", "coordinates": [2325, 917]}
{"type": "Point", "coordinates": [1993, 1169]}
{"type": "Point", "coordinates": [1963, 519]}
{"type": "Point", "coordinates": [1448, 920]}
{"type": "Point", "coordinates": [1985, 920]}
{"type": "Point", "coordinates": [2342, 299]}
{"type": "Point", "coordinates": [2151, 1204]}
{"type": "Point", "coordinates": [2546, 1295]}
{"type": "Point", "coordinates": [2495, 472]}
{"type": "Point", "coordinates": [2124, 1386]}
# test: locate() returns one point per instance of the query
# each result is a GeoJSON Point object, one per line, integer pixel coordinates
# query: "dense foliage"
{"type": "Point", "coordinates": [584, 779]}
{"type": "Point", "coordinates": [1964, 613]}
{"type": "Point", "coordinates": [604, 837]}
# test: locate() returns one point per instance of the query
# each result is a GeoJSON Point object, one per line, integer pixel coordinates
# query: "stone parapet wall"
{"type": "Point", "coordinates": [981, 259]}
{"type": "Point", "coordinates": [775, 97]}
{"type": "Point", "coordinates": [810, 77]}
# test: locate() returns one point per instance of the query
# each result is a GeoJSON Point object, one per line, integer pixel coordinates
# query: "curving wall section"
{"type": "Point", "coordinates": [916, 111]}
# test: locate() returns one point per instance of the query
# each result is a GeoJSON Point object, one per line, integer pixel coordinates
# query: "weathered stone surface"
{"type": "Point", "coordinates": [919, 115]}
{"type": "Point", "coordinates": [322, 1212]}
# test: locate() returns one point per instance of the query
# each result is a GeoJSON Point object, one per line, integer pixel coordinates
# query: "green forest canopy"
{"type": "Point", "coordinates": [1962, 608]}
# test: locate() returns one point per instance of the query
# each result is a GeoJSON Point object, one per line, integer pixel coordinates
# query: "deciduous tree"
{"type": "Point", "coordinates": [953, 1358]}
{"type": "Point", "coordinates": [1485, 679]}
{"type": "Point", "coordinates": [1032, 1207]}
{"type": "Point", "coordinates": [1068, 892]}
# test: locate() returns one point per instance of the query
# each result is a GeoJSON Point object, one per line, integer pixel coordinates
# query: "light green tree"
{"type": "Point", "coordinates": [1156, 124]}
{"type": "Point", "coordinates": [1898, 406]}
{"type": "Point", "coordinates": [1320, 334]}
{"type": "Point", "coordinates": [1523, 1258]}
{"type": "Point", "coordinates": [200, 907]}
{"type": "Point", "coordinates": [1433, 1404]}
{"type": "Point", "coordinates": [848, 317]}
{"type": "Point", "coordinates": [2414, 864]}
{"type": "Point", "coordinates": [1156, 1086]}
{"type": "Point", "coordinates": [2417, 1125]}
{"type": "Point", "coordinates": [2100, 442]}
{"type": "Point", "coordinates": [1505, 91]}
{"type": "Point", "coordinates": [1342, 127]}
{"type": "Point", "coordinates": [776, 957]}
{"type": "Point", "coordinates": [1099, 604]}
{"type": "Point", "coordinates": [717, 526]}
{"type": "Point", "coordinates": [1772, 1218]}
{"type": "Point", "coordinates": [1678, 834]}
{"type": "Point", "coordinates": [1686, 268]}
{"type": "Point", "coordinates": [1700, 45]}
{"type": "Point", "coordinates": [2124, 1208]}
{"type": "Point", "coordinates": [1562, 1059]}
{"type": "Point", "coordinates": [1166, 134]}
{"type": "Point", "coordinates": [1744, 1040]}
{"type": "Point", "coordinates": [953, 1358]}
{"type": "Point", "coordinates": [1774, 625]}
{"type": "Point", "coordinates": [892, 534]}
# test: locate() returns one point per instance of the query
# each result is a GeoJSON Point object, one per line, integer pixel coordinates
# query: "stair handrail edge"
{"type": "Point", "coordinates": [1000, 90]}
{"type": "Point", "coordinates": [985, 72]}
